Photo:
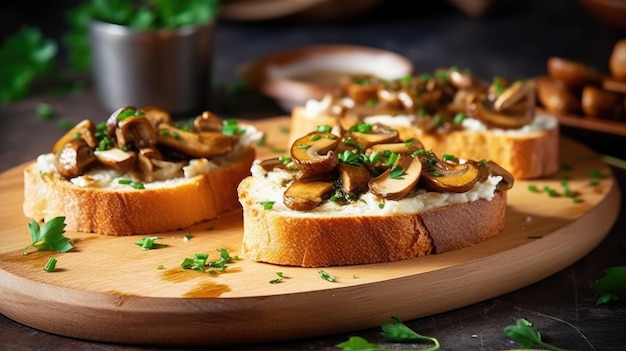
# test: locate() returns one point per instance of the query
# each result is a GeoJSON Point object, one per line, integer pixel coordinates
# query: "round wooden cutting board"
{"type": "Point", "coordinates": [109, 289]}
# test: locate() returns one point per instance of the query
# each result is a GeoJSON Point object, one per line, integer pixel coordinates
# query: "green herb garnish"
{"type": "Point", "coordinates": [393, 332]}
{"type": "Point", "coordinates": [524, 333]}
{"type": "Point", "coordinates": [324, 128]}
{"type": "Point", "coordinates": [277, 280]}
{"type": "Point", "coordinates": [200, 262]}
{"type": "Point", "coordinates": [231, 127]}
{"type": "Point", "coordinates": [399, 332]}
{"type": "Point", "coordinates": [48, 237]}
{"type": "Point", "coordinates": [50, 265]}
{"type": "Point", "coordinates": [267, 205]}
{"type": "Point", "coordinates": [45, 111]}
{"type": "Point", "coordinates": [148, 243]}
{"type": "Point", "coordinates": [397, 173]}
{"type": "Point", "coordinates": [133, 184]}
{"type": "Point", "coordinates": [612, 286]}
{"type": "Point", "coordinates": [325, 275]}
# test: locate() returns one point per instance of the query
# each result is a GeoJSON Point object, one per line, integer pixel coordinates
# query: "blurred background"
{"type": "Point", "coordinates": [508, 37]}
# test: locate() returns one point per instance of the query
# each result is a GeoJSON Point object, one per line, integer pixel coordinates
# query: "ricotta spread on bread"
{"type": "Point", "coordinates": [271, 185]}
{"type": "Point", "coordinates": [171, 175]}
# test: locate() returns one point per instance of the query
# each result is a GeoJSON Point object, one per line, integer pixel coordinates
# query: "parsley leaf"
{"type": "Point", "coordinates": [396, 332]}
{"type": "Point", "coordinates": [48, 237]}
{"type": "Point", "coordinates": [357, 343]}
{"type": "Point", "coordinates": [524, 333]}
{"type": "Point", "coordinates": [399, 332]}
{"type": "Point", "coordinates": [612, 286]}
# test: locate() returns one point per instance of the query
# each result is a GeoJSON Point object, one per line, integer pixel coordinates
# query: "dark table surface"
{"type": "Point", "coordinates": [513, 43]}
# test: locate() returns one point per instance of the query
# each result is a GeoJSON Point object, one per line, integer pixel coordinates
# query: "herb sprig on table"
{"type": "Point", "coordinates": [612, 286]}
{"type": "Point", "coordinates": [397, 332]}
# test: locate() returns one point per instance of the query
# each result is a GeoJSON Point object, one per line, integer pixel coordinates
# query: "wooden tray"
{"type": "Point", "coordinates": [593, 124]}
{"type": "Point", "coordinates": [108, 289]}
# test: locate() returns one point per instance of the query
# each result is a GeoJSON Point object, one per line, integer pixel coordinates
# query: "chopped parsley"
{"type": "Point", "coordinates": [267, 205]}
{"type": "Point", "coordinates": [279, 279]}
{"type": "Point", "coordinates": [325, 275]}
{"type": "Point", "coordinates": [133, 184]}
{"type": "Point", "coordinates": [148, 243]}
{"type": "Point", "coordinates": [230, 127]}
{"type": "Point", "coordinates": [50, 265]}
{"type": "Point", "coordinates": [200, 262]}
{"type": "Point", "coordinates": [397, 173]}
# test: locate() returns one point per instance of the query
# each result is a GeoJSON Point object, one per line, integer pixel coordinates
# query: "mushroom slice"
{"type": "Point", "coordinates": [156, 115]}
{"type": "Point", "coordinates": [354, 179]}
{"type": "Point", "coordinates": [495, 169]}
{"type": "Point", "coordinates": [462, 79]}
{"type": "Point", "coordinates": [118, 115]}
{"type": "Point", "coordinates": [447, 177]}
{"type": "Point", "coordinates": [202, 144]}
{"type": "Point", "coordinates": [73, 158]}
{"type": "Point", "coordinates": [146, 166]}
{"type": "Point", "coordinates": [117, 158]}
{"type": "Point", "coordinates": [84, 129]}
{"type": "Point", "coordinates": [271, 164]}
{"type": "Point", "coordinates": [365, 136]}
{"type": "Point", "coordinates": [208, 122]}
{"type": "Point", "coordinates": [515, 93]}
{"type": "Point", "coordinates": [314, 154]}
{"type": "Point", "coordinates": [306, 195]}
{"type": "Point", "coordinates": [406, 147]}
{"type": "Point", "coordinates": [135, 130]}
{"type": "Point", "coordinates": [361, 89]}
{"type": "Point", "coordinates": [512, 118]}
{"type": "Point", "coordinates": [397, 181]}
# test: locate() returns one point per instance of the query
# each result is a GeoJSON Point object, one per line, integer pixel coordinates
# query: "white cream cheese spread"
{"type": "Point", "coordinates": [270, 186]}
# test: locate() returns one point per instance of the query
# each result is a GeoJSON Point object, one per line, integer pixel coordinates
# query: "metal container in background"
{"type": "Point", "coordinates": [170, 69]}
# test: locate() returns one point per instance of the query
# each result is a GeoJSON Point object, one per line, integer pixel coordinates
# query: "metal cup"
{"type": "Point", "coordinates": [170, 69]}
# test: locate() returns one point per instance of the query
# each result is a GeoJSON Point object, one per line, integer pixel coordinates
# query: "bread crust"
{"type": "Point", "coordinates": [527, 156]}
{"type": "Point", "coordinates": [131, 211]}
{"type": "Point", "coordinates": [286, 238]}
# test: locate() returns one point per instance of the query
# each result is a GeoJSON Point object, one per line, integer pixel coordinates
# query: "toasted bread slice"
{"type": "Point", "coordinates": [160, 207]}
{"type": "Point", "coordinates": [528, 153]}
{"type": "Point", "coordinates": [319, 239]}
